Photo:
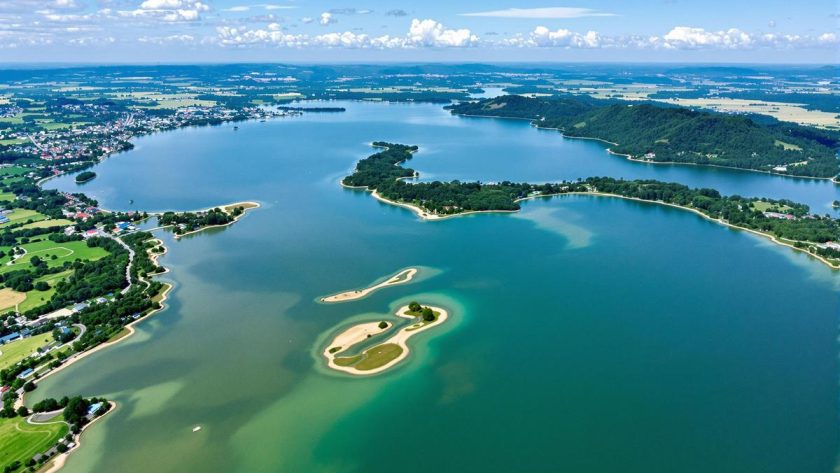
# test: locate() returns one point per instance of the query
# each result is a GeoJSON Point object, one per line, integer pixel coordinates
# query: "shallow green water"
{"type": "Point", "coordinates": [587, 334]}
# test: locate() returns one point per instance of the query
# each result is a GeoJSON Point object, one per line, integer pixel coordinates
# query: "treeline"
{"type": "Point", "coordinates": [675, 134]}
{"type": "Point", "coordinates": [382, 172]}
{"type": "Point", "coordinates": [185, 222]}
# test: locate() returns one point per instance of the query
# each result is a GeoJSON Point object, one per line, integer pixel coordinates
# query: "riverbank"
{"type": "Point", "coordinates": [360, 332]}
{"type": "Point", "coordinates": [402, 277]}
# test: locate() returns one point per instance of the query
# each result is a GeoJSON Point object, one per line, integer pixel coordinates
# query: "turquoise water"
{"type": "Point", "coordinates": [587, 334]}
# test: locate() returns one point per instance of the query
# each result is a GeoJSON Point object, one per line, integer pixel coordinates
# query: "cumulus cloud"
{"type": "Point", "coordinates": [693, 38]}
{"type": "Point", "coordinates": [326, 19]}
{"type": "Point", "coordinates": [421, 34]}
{"type": "Point", "coordinates": [540, 13]}
{"type": "Point", "coordinates": [168, 10]}
{"type": "Point", "coordinates": [432, 33]}
{"type": "Point", "coordinates": [680, 37]}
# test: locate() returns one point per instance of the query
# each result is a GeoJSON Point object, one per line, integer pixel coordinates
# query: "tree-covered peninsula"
{"type": "Point", "coordinates": [658, 133]}
{"type": "Point", "coordinates": [790, 222]}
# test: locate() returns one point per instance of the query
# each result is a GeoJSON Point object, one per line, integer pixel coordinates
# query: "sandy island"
{"type": "Point", "coordinates": [358, 333]}
{"type": "Point", "coordinates": [402, 277]}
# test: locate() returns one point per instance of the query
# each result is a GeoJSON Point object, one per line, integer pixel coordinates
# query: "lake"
{"type": "Point", "coordinates": [587, 334]}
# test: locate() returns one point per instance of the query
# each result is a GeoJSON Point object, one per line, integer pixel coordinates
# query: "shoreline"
{"type": "Point", "coordinates": [57, 462]}
{"type": "Point", "coordinates": [353, 295]}
{"type": "Point", "coordinates": [247, 205]}
{"type": "Point", "coordinates": [131, 330]}
{"type": "Point", "coordinates": [536, 125]}
{"type": "Point", "coordinates": [426, 216]}
{"type": "Point", "coordinates": [400, 339]}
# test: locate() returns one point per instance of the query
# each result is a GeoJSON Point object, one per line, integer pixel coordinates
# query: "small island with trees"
{"type": "Point", "coordinates": [381, 356]}
{"type": "Point", "coordinates": [85, 176]}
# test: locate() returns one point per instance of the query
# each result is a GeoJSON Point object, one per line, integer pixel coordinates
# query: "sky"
{"type": "Point", "coordinates": [188, 31]}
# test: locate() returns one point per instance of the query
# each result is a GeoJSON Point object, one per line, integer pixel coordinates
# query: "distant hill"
{"type": "Point", "coordinates": [674, 134]}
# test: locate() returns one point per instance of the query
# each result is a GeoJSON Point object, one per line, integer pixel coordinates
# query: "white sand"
{"type": "Point", "coordinates": [400, 339]}
{"type": "Point", "coordinates": [400, 278]}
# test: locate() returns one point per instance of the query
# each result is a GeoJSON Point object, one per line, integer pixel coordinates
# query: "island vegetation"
{"type": "Point", "coordinates": [384, 355]}
{"type": "Point", "coordinates": [785, 221]}
{"type": "Point", "coordinates": [658, 133]}
{"type": "Point", "coordinates": [85, 176]}
{"type": "Point", "coordinates": [183, 223]}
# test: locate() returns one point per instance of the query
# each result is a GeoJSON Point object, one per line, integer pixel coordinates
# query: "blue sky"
{"type": "Point", "coordinates": [393, 30]}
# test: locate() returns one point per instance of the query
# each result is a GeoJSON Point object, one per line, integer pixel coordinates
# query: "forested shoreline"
{"type": "Point", "coordinates": [675, 134]}
{"type": "Point", "coordinates": [383, 172]}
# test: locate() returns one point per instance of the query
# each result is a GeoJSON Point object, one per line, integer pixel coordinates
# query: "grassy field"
{"type": "Point", "coordinates": [13, 171]}
{"type": "Point", "coordinates": [21, 441]}
{"type": "Point", "coordinates": [19, 349]}
{"type": "Point", "coordinates": [379, 356]}
{"type": "Point", "coordinates": [7, 196]}
{"type": "Point", "coordinates": [9, 298]}
{"type": "Point", "coordinates": [22, 215]}
{"type": "Point", "coordinates": [46, 249]}
{"type": "Point", "coordinates": [765, 206]}
{"type": "Point", "coordinates": [54, 222]}
{"type": "Point", "coordinates": [36, 298]}
{"type": "Point", "coordinates": [13, 141]}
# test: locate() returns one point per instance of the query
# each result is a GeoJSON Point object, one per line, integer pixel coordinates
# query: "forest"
{"type": "Point", "coordinates": [383, 173]}
{"type": "Point", "coordinates": [675, 134]}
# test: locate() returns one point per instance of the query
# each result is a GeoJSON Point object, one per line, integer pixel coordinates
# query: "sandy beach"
{"type": "Point", "coordinates": [402, 277]}
{"type": "Point", "coordinates": [400, 339]}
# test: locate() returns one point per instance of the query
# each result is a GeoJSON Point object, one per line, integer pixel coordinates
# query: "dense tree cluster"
{"type": "Point", "coordinates": [676, 134]}
{"type": "Point", "coordinates": [185, 222]}
{"type": "Point", "coordinates": [382, 172]}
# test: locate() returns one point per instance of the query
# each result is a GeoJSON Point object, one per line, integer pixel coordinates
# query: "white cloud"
{"type": "Point", "coordinates": [680, 37]}
{"type": "Point", "coordinates": [326, 19]}
{"type": "Point", "coordinates": [686, 37]}
{"type": "Point", "coordinates": [541, 13]}
{"type": "Point", "coordinates": [168, 10]}
{"type": "Point", "coordinates": [432, 33]}
{"type": "Point", "coordinates": [421, 33]}
{"type": "Point", "coordinates": [238, 8]}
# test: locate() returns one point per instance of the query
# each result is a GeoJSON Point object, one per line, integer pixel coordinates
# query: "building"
{"type": "Point", "coordinates": [10, 337]}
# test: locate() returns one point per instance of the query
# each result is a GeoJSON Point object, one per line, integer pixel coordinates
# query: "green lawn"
{"type": "Point", "coordinates": [379, 356]}
{"type": "Point", "coordinates": [19, 349]}
{"type": "Point", "coordinates": [13, 141]}
{"type": "Point", "coordinates": [22, 215]}
{"type": "Point", "coordinates": [21, 441]}
{"type": "Point", "coordinates": [46, 249]}
{"type": "Point", "coordinates": [36, 298]}
{"type": "Point", "coordinates": [765, 206]}
{"type": "Point", "coordinates": [7, 196]}
{"type": "Point", "coordinates": [13, 171]}
{"type": "Point", "coordinates": [54, 222]}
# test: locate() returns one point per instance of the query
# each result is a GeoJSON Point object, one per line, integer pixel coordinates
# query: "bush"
{"type": "Point", "coordinates": [428, 314]}
{"type": "Point", "coordinates": [383, 324]}
{"type": "Point", "coordinates": [414, 306]}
